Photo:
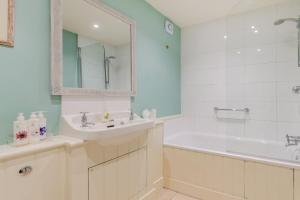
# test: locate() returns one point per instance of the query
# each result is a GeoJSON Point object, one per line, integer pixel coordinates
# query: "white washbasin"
{"type": "Point", "coordinates": [119, 129]}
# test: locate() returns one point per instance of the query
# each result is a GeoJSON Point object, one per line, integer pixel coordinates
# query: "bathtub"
{"type": "Point", "coordinates": [214, 167]}
{"type": "Point", "coordinates": [249, 149]}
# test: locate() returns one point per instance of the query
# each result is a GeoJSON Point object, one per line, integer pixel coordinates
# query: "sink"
{"type": "Point", "coordinates": [115, 130]}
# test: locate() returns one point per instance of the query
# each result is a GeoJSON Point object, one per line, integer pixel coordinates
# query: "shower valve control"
{"type": "Point", "coordinates": [296, 89]}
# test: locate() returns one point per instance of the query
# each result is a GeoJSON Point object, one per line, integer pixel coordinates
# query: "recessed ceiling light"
{"type": "Point", "coordinates": [252, 27]}
{"type": "Point", "coordinates": [96, 26]}
{"type": "Point", "coordinates": [225, 37]}
{"type": "Point", "coordinates": [256, 31]}
{"type": "Point", "coordinates": [258, 50]}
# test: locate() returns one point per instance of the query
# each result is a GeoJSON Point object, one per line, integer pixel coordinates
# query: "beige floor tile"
{"type": "Point", "coordinates": [171, 195]}
{"type": "Point", "coordinates": [182, 197]}
{"type": "Point", "coordinates": [167, 194]}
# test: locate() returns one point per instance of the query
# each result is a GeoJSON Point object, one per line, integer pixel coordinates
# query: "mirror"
{"type": "Point", "coordinates": [7, 22]}
{"type": "Point", "coordinates": [96, 49]}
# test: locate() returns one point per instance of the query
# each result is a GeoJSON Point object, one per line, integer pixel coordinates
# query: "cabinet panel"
{"type": "Point", "coordinates": [120, 179]}
{"type": "Point", "coordinates": [2, 182]}
{"type": "Point", "coordinates": [264, 182]}
{"type": "Point", "coordinates": [110, 180]}
{"type": "Point", "coordinates": [51, 174]}
{"type": "Point", "coordinates": [21, 187]}
{"type": "Point", "coordinates": [96, 183]}
{"type": "Point", "coordinates": [234, 181]}
{"type": "Point", "coordinates": [123, 178]}
{"type": "Point", "coordinates": [213, 174]}
{"type": "Point", "coordinates": [297, 185]}
{"type": "Point", "coordinates": [142, 165]}
{"type": "Point", "coordinates": [155, 153]}
{"type": "Point", "coordinates": [46, 180]}
{"type": "Point", "coordinates": [133, 174]}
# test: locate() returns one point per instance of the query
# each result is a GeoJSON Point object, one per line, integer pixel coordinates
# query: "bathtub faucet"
{"type": "Point", "coordinates": [292, 140]}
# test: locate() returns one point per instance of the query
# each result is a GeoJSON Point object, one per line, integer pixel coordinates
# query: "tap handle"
{"type": "Point", "coordinates": [288, 139]}
{"type": "Point", "coordinates": [84, 113]}
{"type": "Point", "coordinates": [83, 117]}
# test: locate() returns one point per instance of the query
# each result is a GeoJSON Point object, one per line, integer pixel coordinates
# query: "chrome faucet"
{"type": "Point", "coordinates": [84, 121]}
{"type": "Point", "coordinates": [292, 140]}
{"type": "Point", "coordinates": [131, 115]}
{"type": "Point", "coordinates": [131, 108]}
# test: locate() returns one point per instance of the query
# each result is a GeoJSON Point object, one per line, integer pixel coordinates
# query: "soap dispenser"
{"type": "Point", "coordinates": [42, 125]}
{"type": "Point", "coordinates": [21, 136]}
{"type": "Point", "coordinates": [34, 128]}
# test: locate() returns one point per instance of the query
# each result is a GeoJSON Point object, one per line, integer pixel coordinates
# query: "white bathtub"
{"type": "Point", "coordinates": [274, 153]}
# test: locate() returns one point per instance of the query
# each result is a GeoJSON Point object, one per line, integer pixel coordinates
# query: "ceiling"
{"type": "Point", "coordinates": [80, 17]}
{"type": "Point", "coordinates": [189, 12]}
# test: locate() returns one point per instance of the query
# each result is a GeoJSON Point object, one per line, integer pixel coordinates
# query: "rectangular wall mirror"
{"type": "Point", "coordinates": [7, 22]}
{"type": "Point", "coordinates": [92, 49]}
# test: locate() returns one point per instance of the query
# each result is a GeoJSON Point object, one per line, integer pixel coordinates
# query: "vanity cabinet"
{"type": "Point", "coordinates": [45, 181]}
{"type": "Point", "coordinates": [155, 155]}
{"type": "Point", "coordinates": [123, 178]}
{"type": "Point", "coordinates": [127, 171]}
{"type": "Point", "coordinates": [265, 182]}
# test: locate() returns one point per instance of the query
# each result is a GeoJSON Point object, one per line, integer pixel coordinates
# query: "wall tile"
{"type": "Point", "coordinates": [249, 68]}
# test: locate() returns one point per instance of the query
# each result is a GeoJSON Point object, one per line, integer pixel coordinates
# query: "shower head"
{"type": "Point", "coordinates": [109, 58]}
{"type": "Point", "coordinates": [278, 22]}
{"type": "Point", "coordinates": [112, 57]}
{"type": "Point", "coordinates": [281, 21]}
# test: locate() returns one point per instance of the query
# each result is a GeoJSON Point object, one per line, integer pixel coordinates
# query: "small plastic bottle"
{"type": "Point", "coordinates": [34, 128]}
{"type": "Point", "coordinates": [21, 136]}
{"type": "Point", "coordinates": [42, 125]}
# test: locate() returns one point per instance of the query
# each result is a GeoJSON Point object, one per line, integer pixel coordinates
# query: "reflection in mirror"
{"type": "Point", "coordinates": [96, 48]}
{"type": "Point", "coordinates": [6, 22]}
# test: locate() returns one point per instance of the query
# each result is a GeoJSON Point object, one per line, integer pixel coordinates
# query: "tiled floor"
{"type": "Point", "coordinates": [171, 195]}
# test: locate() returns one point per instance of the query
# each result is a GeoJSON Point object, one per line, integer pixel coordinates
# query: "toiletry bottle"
{"type": "Point", "coordinates": [42, 125]}
{"type": "Point", "coordinates": [34, 128]}
{"type": "Point", "coordinates": [21, 136]}
{"type": "Point", "coordinates": [106, 117]}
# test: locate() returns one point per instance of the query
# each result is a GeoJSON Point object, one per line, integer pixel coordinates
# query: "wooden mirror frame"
{"type": "Point", "coordinates": [57, 52]}
{"type": "Point", "coordinates": [10, 25]}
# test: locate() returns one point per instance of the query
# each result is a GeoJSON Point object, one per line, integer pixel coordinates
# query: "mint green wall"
{"type": "Point", "coordinates": [70, 44]}
{"type": "Point", "coordinates": [158, 68]}
{"type": "Point", "coordinates": [25, 69]}
{"type": "Point", "coordinates": [25, 75]}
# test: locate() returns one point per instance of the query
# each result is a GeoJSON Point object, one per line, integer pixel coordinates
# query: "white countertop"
{"type": "Point", "coordinates": [10, 151]}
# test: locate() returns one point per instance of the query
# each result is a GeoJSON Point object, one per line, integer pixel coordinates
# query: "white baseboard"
{"type": "Point", "coordinates": [154, 190]}
{"type": "Point", "coordinates": [197, 191]}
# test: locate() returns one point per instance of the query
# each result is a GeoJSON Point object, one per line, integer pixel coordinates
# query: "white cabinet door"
{"type": "Point", "coordinates": [297, 185]}
{"type": "Point", "coordinates": [96, 182]}
{"type": "Point", "coordinates": [18, 186]}
{"type": "Point", "coordinates": [2, 182]}
{"type": "Point", "coordinates": [46, 181]}
{"type": "Point", "coordinates": [51, 174]}
{"type": "Point", "coordinates": [123, 178]}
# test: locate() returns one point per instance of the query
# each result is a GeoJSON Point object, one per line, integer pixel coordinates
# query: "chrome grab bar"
{"type": "Point", "coordinates": [232, 109]}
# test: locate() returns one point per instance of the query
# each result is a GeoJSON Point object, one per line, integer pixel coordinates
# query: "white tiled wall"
{"type": "Point", "coordinates": [227, 63]}
{"type": "Point", "coordinates": [92, 58]}
{"type": "Point", "coordinates": [77, 104]}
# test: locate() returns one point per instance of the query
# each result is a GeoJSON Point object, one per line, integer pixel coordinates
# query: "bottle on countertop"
{"type": "Point", "coordinates": [34, 128]}
{"type": "Point", "coordinates": [42, 125]}
{"type": "Point", "coordinates": [21, 136]}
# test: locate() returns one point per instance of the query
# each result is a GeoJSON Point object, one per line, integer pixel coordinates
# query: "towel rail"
{"type": "Point", "coordinates": [246, 110]}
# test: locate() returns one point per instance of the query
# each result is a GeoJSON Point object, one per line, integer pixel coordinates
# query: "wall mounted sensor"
{"type": "Point", "coordinates": [169, 27]}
